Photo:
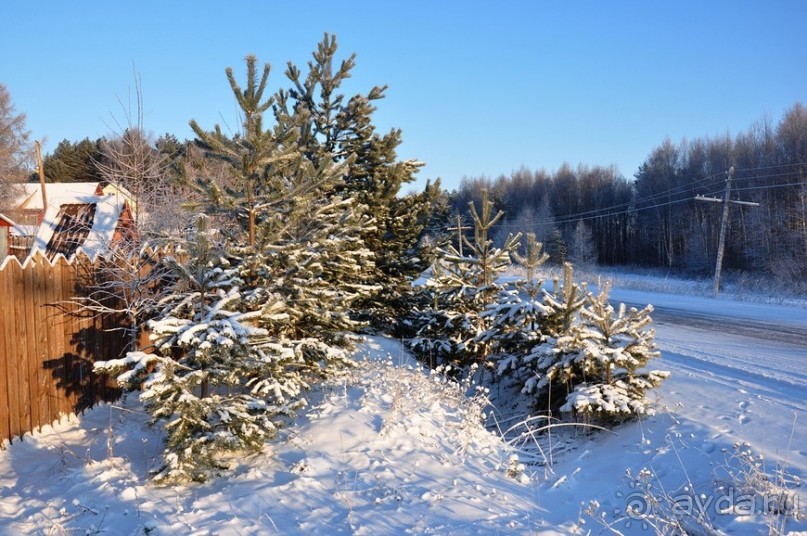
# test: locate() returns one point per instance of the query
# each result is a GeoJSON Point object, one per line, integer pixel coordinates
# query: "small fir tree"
{"type": "Point", "coordinates": [451, 324]}
{"type": "Point", "coordinates": [542, 365]}
{"type": "Point", "coordinates": [213, 380]}
{"type": "Point", "coordinates": [593, 365]}
{"type": "Point", "coordinates": [616, 346]}
{"type": "Point", "coordinates": [518, 316]}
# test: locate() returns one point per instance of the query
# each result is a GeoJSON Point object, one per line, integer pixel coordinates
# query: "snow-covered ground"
{"type": "Point", "coordinates": [393, 450]}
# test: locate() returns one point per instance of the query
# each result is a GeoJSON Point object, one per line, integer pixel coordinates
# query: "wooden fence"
{"type": "Point", "coordinates": [47, 352]}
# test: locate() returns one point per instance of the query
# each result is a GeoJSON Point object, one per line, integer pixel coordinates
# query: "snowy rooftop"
{"type": "Point", "coordinates": [31, 197]}
{"type": "Point", "coordinates": [108, 200]}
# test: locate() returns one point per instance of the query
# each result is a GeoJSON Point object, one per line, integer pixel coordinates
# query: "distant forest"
{"type": "Point", "coordinates": [593, 214]}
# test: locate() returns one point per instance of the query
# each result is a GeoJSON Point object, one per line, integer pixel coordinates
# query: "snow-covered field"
{"type": "Point", "coordinates": [393, 450]}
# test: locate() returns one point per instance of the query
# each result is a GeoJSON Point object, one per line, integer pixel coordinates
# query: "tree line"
{"type": "Point", "coordinates": [585, 214]}
{"type": "Point", "coordinates": [595, 214]}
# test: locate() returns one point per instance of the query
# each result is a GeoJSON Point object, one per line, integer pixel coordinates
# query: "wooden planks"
{"type": "Point", "coordinates": [6, 347]}
{"type": "Point", "coordinates": [17, 359]}
{"type": "Point", "coordinates": [46, 353]}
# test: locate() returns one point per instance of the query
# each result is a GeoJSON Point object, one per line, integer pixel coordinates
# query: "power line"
{"type": "Point", "coordinates": [628, 207]}
{"type": "Point", "coordinates": [770, 186]}
{"type": "Point", "coordinates": [724, 224]}
{"type": "Point", "coordinates": [678, 189]}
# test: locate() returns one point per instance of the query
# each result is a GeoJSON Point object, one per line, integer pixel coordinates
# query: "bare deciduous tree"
{"type": "Point", "coordinates": [126, 283]}
{"type": "Point", "coordinates": [133, 160]}
{"type": "Point", "coordinates": [15, 148]}
{"type": "Point", "coordinates": [582, 251]}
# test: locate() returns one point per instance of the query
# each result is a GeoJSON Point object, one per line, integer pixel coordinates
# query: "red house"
{"type": "Point", "coordinates": [5, 236]}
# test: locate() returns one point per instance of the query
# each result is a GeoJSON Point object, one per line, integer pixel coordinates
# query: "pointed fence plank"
{"type": "Point", "coordinates": [31, 333]}
{"type": "Point", "coordinates": [6, 348]}
{"type": "Point", "coordinates": [18, 390]}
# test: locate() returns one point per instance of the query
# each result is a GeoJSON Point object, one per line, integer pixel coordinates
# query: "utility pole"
{"type": "Point", "coordinates": [41, 168]}
{"type": "Point", "coordinates": [459, 228]}
{"type": "Point", "coordinates": [724, 224]}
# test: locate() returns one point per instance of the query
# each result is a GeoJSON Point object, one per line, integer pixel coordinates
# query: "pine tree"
{"type": "Point", "coordinates": [592, 364]}
{"type": "Point", "coordinates": [518, 316]}
{"type": "Point", "coordinates": [292, 190]}
{"type": "Point", "coordinates": [548, 233]}
{"type": "Point", "coordinates": [546, 364]}
{"type": "Point", "coordinates": [74, 162]}
{"type": "Point", "coordinates": [611, 382]}
{"type": "Point", "coordinates": [300, 219]}
{"type": "Point", "coordinates": [451, 325]}
{"type": "Point", "coordinates": [262, 161]}
{"type": "Point", "coordinates": [319, 266]}
{"type": "Point", "coordinates": [251, 323]}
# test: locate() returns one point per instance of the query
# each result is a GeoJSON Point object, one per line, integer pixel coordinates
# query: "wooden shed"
{"type": "Point", "coordinates": [5, 236]}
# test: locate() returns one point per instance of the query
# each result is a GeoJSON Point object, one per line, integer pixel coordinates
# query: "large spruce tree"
{"type": "Point", "coordinates": [341, 128]}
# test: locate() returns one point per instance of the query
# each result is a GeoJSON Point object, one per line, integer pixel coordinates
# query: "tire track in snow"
{"type": "Point", "coordinates": [781, 333]}
{"type": "Point", "coordinates": [768, 388]}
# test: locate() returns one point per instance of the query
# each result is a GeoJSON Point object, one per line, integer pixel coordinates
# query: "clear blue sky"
{"type": "Point", "coordinates": [478, 88]}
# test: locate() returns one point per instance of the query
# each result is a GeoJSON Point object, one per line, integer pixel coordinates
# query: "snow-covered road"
{"type": "Point", "coordinates": [793, 334]}
{"type": "Point", "coordinates": [737, 366]}
{"type": "Point", "coordinates": [755, 389]}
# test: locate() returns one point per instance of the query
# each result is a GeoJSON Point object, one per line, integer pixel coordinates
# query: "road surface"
{"type": "Point", "coordinates": [739, 368]}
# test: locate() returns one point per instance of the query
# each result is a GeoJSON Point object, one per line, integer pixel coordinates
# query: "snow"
{"type": "Point", "coordinates": [31, 197]}
{"type": "Point", "coordinates": [390, 449]}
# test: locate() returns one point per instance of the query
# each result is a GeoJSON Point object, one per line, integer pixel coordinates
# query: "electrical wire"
{"type": "Point", "coordinates": [629, 207]}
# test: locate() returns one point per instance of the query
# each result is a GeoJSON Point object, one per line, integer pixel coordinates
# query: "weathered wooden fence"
{"type": "Point", "coordinates": [47, 352]}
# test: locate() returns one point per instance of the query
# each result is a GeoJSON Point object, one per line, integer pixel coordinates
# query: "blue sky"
{"type": "Point", "coordinates": [478, 88]}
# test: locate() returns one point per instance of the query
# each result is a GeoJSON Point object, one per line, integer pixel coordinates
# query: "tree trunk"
{"type": "Point", "coordinates": [252, 227]}
{"type": "Point", "coordinates": [134, 334]}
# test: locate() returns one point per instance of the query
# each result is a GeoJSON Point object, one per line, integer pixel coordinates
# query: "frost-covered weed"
{"type": "Point", "coordinates": [415, 394]}
{"type": "Point", "coordinates": [772, 489]}
{"type": "Point", "coordinates": [743, 486]}
{"type": "Point", "coordinates": [417, 399]}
